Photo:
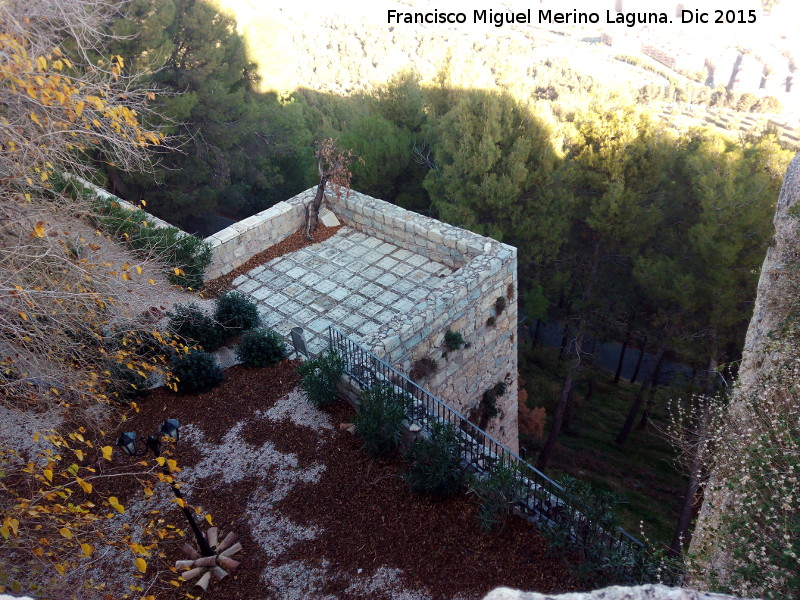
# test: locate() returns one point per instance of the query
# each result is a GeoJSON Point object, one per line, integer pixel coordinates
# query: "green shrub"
{"type": "Point", "coordinates": [319, 377]}
{"type": "Point", "coordinates": [261, 348]}
{"type": "Point", "coordinates": [379, 419]}
{"type": "Point", "coordinates": [497, 491]}
{"type": "Point", "coordinates": [192, 323]}
{"type": "Point", "coordinates": [435, 464]}
{"type": "Point", "coordinates": [593, 562]}
{"type": "Point", "coordinates": [453, 340]}
{"type": "Point", "coordinates": [127, 383]}
{"type": "Point", "coordinates": [196, 372]}
{"type": "Point", "coordinates": [490, 397]}
{"type": "Point", "coordinates": [185, 256]}
{"type": "Point", "coordinates": [236, 311]}
{"type": "Point", "coordinates": [500, 305]}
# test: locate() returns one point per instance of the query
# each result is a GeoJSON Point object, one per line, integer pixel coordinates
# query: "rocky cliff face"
{"type": "Point", "coordinates": [763, 352]}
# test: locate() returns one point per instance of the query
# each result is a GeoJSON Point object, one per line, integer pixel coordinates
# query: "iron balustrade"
{"type": "Point", "coordinates": [542, 500]}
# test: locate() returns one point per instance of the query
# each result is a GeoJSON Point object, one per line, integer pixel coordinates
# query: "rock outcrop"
{"type": "Point", "coordinates": [779, 278]}
{"type": "Point", "coordinates": [642, 592]}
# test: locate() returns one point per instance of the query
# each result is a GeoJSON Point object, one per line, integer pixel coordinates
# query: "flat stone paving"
{"type": "Point", "coordinates": [351, 280]}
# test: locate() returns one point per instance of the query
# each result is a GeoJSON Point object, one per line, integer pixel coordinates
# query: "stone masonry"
{"type": "Point", "coordinates": [383, 281]}
{"type": "Point", "coordinates": [396, 281]}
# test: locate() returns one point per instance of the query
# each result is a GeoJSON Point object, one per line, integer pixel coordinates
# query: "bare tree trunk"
{"type": "Point", "coordinates": [622, 356]}
{"type": "Point", "coordinates": [312, 209]}
{"type": "Point", "coordinates": [681, 536]}
{"type": "Point", "coordinates": [558, 417]}
{"type": "Point", "coordinates": [637, 404]}
{"type": "Point", "coordinates": [563, 350]}
{"type": "Point", "coordinates": [651, 396]}
{"type": "Point", "coordinates": [566, 389]}
{"type": "Point", "coordinates": [639, 362]}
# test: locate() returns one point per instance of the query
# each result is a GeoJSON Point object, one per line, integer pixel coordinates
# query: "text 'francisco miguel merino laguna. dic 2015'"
{"type": "Point", "coordinates": [500, 18]}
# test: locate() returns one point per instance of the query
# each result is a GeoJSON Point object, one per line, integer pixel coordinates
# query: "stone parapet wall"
{"type": "Point", "coordinates": [238, 243]}
{"type": "Point", "coordinates": [484, 270]}
{"type": "Point", "coordinates": [416, 233]}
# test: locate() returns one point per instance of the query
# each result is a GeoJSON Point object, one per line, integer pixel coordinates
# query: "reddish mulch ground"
{"type": "Point", "coordinates": [369, 517]}
{"type": "Point", "coordinates": [296, 241]}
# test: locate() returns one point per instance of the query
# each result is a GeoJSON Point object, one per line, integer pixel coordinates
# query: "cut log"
{"type": "Point", "coordinates": [212, 535]}
{"type": "Point", "coordinates": [206, 561]}
{"type": "Point", "coordinates": [232, 550]}
{"type": "Point", "coordinates": [189, 551]}
{"type": "Point", "coordinates": [229, 563]}
{"type": "Point", "coordinates": [192, 573]}
{"type": "Point", "coordinates": [219, 573]}
{"type": "Point", "coordinates": [184, 563]}
{"type": "Point", "coordinates": [204, 581]}
{"type": "Point", "coordinates": [228, 541]}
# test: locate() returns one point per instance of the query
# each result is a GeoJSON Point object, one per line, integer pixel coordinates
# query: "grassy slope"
{"type": "Point", "coordinates": [642, 470]}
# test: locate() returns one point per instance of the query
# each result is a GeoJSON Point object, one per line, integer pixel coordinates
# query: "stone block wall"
{"type": "Point", "coordinates": [484, 270]}
{"type": "Point", "coordinates": [238, 243]}
{"type": "Point", "coordinates": [416, 233]}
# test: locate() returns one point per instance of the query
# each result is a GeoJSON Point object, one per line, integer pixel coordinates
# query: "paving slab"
{"type": "Point", "coordinates": [353, 281]}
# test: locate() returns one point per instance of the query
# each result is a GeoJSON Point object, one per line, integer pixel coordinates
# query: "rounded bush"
{"type": "Point", "coordinates": [453, 340]}
{"type": "Point", "coordinates": [435, 464]}
{"type": "Point", "coordinates": [197, 372]}
{"type": "Point", "coordinates": [261, 348]}
{"type": "Point", "coordinates": [379, 420]}
{"type": "Point", "coordinates": [319, 376]}
{"type": "Point", "coordinates": [191, 323]}
{"type": "Point", "coordinates": [236, 312]}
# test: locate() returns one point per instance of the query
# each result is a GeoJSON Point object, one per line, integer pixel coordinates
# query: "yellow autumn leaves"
{"type": "Point", "coordinates": [62, 100]}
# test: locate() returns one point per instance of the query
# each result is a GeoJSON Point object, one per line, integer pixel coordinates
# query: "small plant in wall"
{"type": "Point", "coordinates": [453, 341]}
{"type": "Point", "coordinates": [423, 368]}
{"type": "Point", "coordinates": [499, 306]}
{"type": "Point", "coordinates": [490, 397]}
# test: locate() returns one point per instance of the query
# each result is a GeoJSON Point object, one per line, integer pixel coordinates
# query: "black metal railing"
{"type": "Point", "coordinates": [542, 499]}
